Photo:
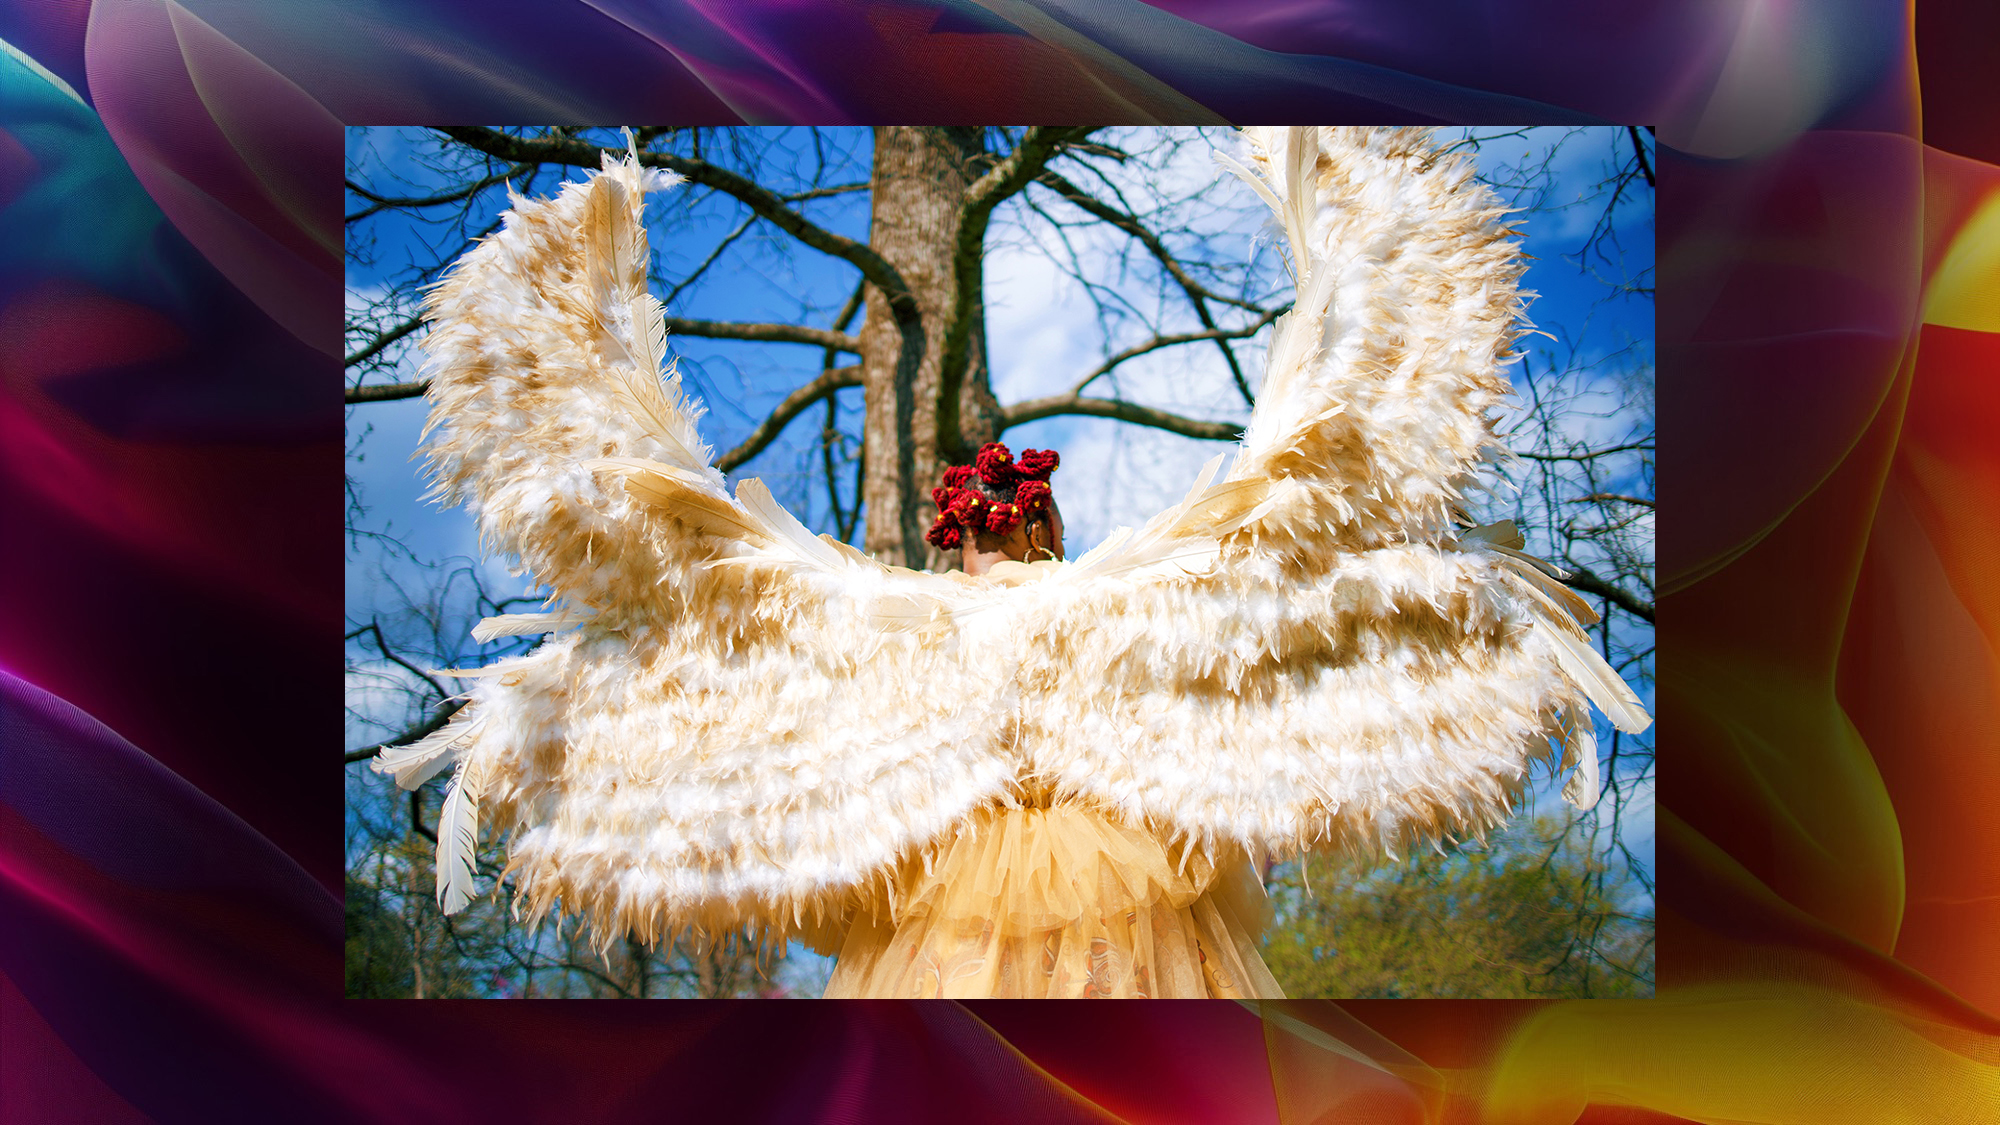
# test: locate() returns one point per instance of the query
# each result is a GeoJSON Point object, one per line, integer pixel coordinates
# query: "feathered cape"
{"type": "Point", "coordinates": [736, 722]}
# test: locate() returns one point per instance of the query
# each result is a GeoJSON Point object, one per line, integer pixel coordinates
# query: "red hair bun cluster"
{"type": "Point", "coordinates": [963, 509]}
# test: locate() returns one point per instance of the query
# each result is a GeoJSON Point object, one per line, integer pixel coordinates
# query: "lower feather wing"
{"type": "Point", "coordinates": [1382, 697]}
{"type": "Point", "coordinates": [766, 766]}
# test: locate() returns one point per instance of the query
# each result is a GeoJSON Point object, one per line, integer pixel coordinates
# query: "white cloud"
{"type": "Point", "coordinates": [1044, 334]}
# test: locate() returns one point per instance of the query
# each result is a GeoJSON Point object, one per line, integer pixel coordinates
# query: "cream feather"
{"type": "Point", "coordinates": [1558, 597]}
{"type": "Point", "coordinates": [700, 508]}
{"type": "Point", "coordinates": [1301, 154]}
{"type": "Point", "coordinates": [1596, 678]}
{"type": "Point", "coordinates": [1505, 540]}
{"type": "Point", "coordinates": [632, 329]}
{"type": "Point", "coordinates": [1501, 534]}
{"type": "Point", "coordinates": [1580, 749]}
{"type": "Point", "coordinates": [413, 764]}
{"type": "Point", "coordinates": [784, 529]}
{"type": "Point", "coordinates": [1190, 532]}
{"type": "Point", "coordinates": [523, 625]}
{"type": "Point", "coordinates": [1524, 559]}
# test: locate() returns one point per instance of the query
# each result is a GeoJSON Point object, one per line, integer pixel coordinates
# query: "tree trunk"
{"type": "Point", "coordinates": [919, 181]}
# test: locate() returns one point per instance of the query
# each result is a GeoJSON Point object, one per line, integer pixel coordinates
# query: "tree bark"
{"type": "Point", "coordinates": [920, 181]}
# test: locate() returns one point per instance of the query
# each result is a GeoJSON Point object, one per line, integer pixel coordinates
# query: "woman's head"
{"type": "Point", "coordinates": [998, 508]}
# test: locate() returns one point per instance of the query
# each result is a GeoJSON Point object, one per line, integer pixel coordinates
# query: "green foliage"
{"type": "Point", "coordinates": [1533, 914]}
{"type": "Point", "coordinates": [398, 943]}
{"type": "Point", "coordinates": [378, 954]}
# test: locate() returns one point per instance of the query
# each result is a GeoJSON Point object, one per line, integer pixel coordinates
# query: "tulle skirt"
{"type": "Point", "coordinates": [1060, 903]}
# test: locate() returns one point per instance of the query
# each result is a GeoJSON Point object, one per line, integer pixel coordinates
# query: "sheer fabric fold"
{"type": "Point", "coordinates": [1060, 902]}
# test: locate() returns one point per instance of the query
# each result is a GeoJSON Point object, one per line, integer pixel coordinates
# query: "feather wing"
{"type": "Point", "coordinates": [544, 355]}
{"type": "Point", "coordinates": [1392, 695]}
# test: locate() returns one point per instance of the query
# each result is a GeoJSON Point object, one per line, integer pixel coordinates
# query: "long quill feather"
{"type": "Point", "coordinates": [458, 842]}
{"type": "Point", "coordinates": [1589, 672]}
{"type": "Point", "coordinates": [418, 762]}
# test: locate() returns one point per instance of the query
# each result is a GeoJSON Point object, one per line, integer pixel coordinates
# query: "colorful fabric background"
{"type": "Point", "coordinates": [170, 486]}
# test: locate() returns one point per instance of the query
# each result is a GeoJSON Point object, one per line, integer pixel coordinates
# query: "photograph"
{"type": "Point", "coordinates": [1000, 562]}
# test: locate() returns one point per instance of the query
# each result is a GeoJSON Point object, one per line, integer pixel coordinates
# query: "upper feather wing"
{"type": "Point", "coordinates": [1375, 411]}
{"type": "Point", "coordinates": [544, 354]}
{"type": "Point", "coordinates": [1380, 382]}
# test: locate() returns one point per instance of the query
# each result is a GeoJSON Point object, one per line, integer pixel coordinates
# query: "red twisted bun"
{"type": "Point", "coordinates": [1033, 497]}
{"type": "Point", "coordinates": [964, 510]}
{"type": "Point", "coordinates": [1037, 464]}
{"type": "Point", "coordinates": [996, 465]}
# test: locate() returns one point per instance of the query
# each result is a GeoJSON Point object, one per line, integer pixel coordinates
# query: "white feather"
{"type": "Point", "coordinates": [1256, 182]}
{"type": "Point", "coordinates": [633, 333]}
{"type": "Point", "coordinates": [1301, 152]}
{"type": "Point", "coordinates": [1590, 673]}
{"type": "Point", "coordinates": [417, 762]}
{"type": "Point", "coordinates": [457, 843]}
{"type": "Point", "coordinates": [524, 624]}
{"type": "Point", "coordinates": [785, 529]}
{"type": "Point", "coordinates": [1583, 787]}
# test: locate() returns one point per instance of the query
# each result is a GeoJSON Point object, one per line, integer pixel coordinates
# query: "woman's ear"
{"type": "Point", "coordinates": [1042, 538]}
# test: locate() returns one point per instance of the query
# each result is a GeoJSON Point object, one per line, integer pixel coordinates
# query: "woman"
{"type": "Point", "coordinates": [1046, 895]}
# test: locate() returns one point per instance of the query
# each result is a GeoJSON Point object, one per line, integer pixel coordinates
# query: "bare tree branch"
{"type": "Point", "coordinates": [768, 333]}
{"type": "Point", "coordinates": [843, 521]}
{"type": "Point", "coordinates": [1582, 579]}
{"type": "Point", "coordinates": [382, 646]}
{"type": "Point", "coordinates": [1588, 454]}
{"type": "Point", "coordinates": [1035, 409]}
{"type": "Point", "coordinates": [386, 392]}
{"type": "Point", "coordinates": [376, 345]}
{"type": "Point", "coordinates": [1639, 150]}
{"type": "Point", "coordinates": [1167, 341]}
{"type": "Point", "coordinates": [1198, 294]}
{"type": "Point", "coordinates": [824, 192]}
{"type": "Point", "coordinates": [1091, 204]}
{"type": "Point", "coordinates": [1639, 500]}
{"type": "Point", "coordinates": [417, 816]}
{"type": "Point", "coordinates": [383, 203]}
{"type": "Point", "coordinates": [766, 203]}
{"type": "Point", "coordinates": [768, 430]}
{"type": "Point", "coordinates": [695, 273]}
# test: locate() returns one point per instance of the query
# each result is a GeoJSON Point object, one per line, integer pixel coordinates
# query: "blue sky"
{"type": "Point", "coordinates": [1042, 334]}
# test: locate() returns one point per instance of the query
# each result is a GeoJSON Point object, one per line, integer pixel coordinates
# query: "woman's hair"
{"type": "Point", "coordinates": [993, 495]}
